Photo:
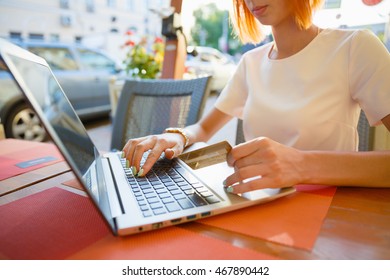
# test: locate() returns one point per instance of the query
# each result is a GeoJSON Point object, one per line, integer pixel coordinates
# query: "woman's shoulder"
{"type": "Point", "coordinates": [349, 34]}
{"type": "Point", "coordinates": [259, 49]}
{"type": "Point", "coordinates": [351, 40]}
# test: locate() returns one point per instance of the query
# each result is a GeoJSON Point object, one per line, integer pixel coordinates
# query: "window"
{"type": "Point", "coordinates": [111, 3]}
{"type": "Point", "coordinates": [35, 36]}
{"type": "Point", "coordinates": [64, 4]}
{"type": "Point", "coordinates": [57, 58]}
{"type": "Point", "coordinates": [332, 4]}
{"type": "Point", "coordinates": [90, 6]}
{"type": "Point", "coordinates": [130, 5]}
{"type": "Point", "coordinates": [66, 20]}
{"type": "Point", "coordinates": [93, 60]}
{"type": "Point", "coordinates": [54, 38]}
{"type": "Point", "coordinates": [15, 35]}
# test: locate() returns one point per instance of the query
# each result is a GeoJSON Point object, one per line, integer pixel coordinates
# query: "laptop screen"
{"type": "Point", "coordinates": [46, 96]}
{"type": "Point", "coordinates": [57, 110]}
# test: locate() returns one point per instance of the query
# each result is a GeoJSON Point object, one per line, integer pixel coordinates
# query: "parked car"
{"type": "Point", "coordinates": [82, 72]}
{"type": "Point", "coordinates": [210, 61]}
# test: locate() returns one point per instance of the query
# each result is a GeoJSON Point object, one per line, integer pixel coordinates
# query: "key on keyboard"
{"type": "Point", "coordinates": [168, 187]}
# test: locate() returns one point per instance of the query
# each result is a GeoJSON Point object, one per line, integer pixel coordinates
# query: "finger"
{"type": "Point", "coordinates": [151, 159]}
{"type": "Point", "coordinates": [173, 152]}
{"type": "Point", "coordinates": [253, 159]}
{"type": "Point", "coordinates": [129, 148]}
{"type": "Point", "coordinates": [252, 185]}
{"type": "Point", "coordinates": [243, 174]}
{"type": "Point", "coordinates": [243, 150]}
{"type": "Point", "coordinates": [139, 150]}
{"type": "Point", "coordinates": [160, 145]}
{"type": "Point", "coordinates": [169, 153]}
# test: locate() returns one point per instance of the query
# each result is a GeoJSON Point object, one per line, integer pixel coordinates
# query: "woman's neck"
{"type": "Point", "coordinates": [290, 40]}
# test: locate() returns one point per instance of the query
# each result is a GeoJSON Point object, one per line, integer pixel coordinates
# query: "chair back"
{"type": "Point", "coordinates": [366, 133]}
{"type": "Point", "coordinates": [239, 133]}
{"type": "Point", "coordinates": [148, 106]}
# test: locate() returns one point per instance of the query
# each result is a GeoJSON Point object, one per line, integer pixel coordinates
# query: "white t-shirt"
{"type": "Point", "coordinates": [312, 100]}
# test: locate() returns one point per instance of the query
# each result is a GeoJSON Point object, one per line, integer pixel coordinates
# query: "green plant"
{"type": "Point", "coordinates": [142, 61]}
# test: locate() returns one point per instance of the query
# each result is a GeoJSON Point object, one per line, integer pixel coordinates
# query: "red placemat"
{"type": "Point", "coordinates": [57, 224]}
{"type": "Point", "coordinates": [28, 155]}
{"type": "Point", "coordinates": [51, 224]}
{"type": "Point", "coordinates": [294, 220]}
{"type": "Point", "coordinates": [172, 243]}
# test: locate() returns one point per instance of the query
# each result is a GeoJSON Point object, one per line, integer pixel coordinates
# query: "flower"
{"type": "Point", "coordinates": [142, 59]}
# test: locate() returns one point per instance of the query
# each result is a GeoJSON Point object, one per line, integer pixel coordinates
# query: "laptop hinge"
{"type": "Point", "coordinates": [115, 202]}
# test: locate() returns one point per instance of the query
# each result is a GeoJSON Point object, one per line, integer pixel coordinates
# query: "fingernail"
{"type": "Point", "coordinates": [122, 154]}
{"type": "Point", "coordinates": [229, 189]}
{"type": "Point", "coordinates": [224, 183]}
{"type": "Point", "coordinates": [127, 164]}
{"type": "Point", "coordinates": [134, 170]}
{"type": "Point", "coordinates": [140, 172]}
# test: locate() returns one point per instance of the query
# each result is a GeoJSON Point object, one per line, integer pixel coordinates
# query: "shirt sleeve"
{"type": "Point", "coordinates": [369, 74]}
{"type": "Point", "coordinates": [233, 97]}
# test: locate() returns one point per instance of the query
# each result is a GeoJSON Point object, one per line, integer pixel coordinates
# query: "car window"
{"type": "Point", "coordinates": [57, 58]}
{"type": "Point", "coordinates": [94, 60]}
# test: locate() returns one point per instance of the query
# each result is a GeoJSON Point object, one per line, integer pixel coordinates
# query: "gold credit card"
{"type": "Point", "coordinates": [209, 155]}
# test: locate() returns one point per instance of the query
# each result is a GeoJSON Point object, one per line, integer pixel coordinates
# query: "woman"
{"type": "Point", "coordinates": [299, 98]}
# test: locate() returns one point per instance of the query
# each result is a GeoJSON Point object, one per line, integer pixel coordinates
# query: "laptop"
{"type": "Point", "coordinates": [170, 194]}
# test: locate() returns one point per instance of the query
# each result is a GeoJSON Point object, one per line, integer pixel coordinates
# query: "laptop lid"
{"type": "Point", "coordinates": [42, 90]}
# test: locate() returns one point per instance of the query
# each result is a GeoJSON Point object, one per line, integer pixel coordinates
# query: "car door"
{"type": "Point", "coordinates": [97, 69]}
{"type": "Point", "coordinates": [84, 82]}
{"type": "Point", "coordinates": [64, 65]}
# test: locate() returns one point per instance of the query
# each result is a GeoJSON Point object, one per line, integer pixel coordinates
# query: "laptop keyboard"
{"type": "Point", "coordinates": [168, 187]}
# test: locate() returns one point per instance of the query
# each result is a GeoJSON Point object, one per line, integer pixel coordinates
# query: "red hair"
{"type": "Point", "coordinates": [249, 29]}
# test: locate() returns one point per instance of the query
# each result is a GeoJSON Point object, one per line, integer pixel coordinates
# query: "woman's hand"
{"type": "Point", "coordinates": [263, 163]}
{"type": "Point", "coordinates": [172, 144]}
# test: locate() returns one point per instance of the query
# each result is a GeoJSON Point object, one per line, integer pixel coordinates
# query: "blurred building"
{"type": "Point", "coordinates": [100, 23]}
{"type": "Point", "coordinates": [347, 14]}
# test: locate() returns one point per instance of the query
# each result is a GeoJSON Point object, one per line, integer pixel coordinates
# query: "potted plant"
{"type": "Point", "coordinates": [143, 58]}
